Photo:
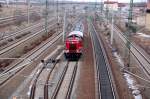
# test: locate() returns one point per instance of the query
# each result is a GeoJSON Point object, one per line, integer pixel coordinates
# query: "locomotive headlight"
{"type": "Point", "coordinates": [72, 42]}
{"type": "Point", "coordinates": [77, 50]}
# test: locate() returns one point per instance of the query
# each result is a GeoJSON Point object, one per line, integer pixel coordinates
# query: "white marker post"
{"type": "Point", "coordinates": [7, 2]}
{"type": "Point", "coordinates": [64, 28]}
{"type": "Point", "coordinates": [112, 29]}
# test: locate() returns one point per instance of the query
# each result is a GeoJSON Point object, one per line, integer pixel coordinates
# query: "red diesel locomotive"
{"type": "Point", "coordinates": [74, 43]}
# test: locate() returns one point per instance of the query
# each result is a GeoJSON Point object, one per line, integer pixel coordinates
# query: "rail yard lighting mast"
{"type": "Point", "coordinates": [128, 34]}
{"type": "Point", "coordinates": [95, 4]}
{"type": "Point", "coordinates": [64, 27]}
{"type": "Point", "coordinates": [16, 5]}
{"type": "Point", "coordinates": [112, 29]}
{"type": "Point", "coordinates": [107, 10]}
{"type": "Point", "coordinates": [7, 2]}
{"type": "Point", "coordinates": [101, 6]}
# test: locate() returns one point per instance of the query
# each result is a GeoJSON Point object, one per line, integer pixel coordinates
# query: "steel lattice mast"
{"type": "Point", "coordinates": [128, 34]}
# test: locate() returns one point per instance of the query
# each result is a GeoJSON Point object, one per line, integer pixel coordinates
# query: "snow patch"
{"type": "Point", "coordinates": [132, 84]}
{"type": "Point", "coordinates": [29, 92]}
{"type": "Point", "coordinates": [144, 35]}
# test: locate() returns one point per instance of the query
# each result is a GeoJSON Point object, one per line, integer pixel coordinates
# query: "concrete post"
{"type": "Point", "coordinates": [112, 29]}
{"type": "Point", "coordinates": [64, 27]}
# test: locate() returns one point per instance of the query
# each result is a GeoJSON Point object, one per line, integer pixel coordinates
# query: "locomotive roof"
{"type": "Point", "coordinates": [78, 33]}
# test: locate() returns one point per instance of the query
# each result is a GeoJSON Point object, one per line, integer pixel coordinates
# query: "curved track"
{"type": "Point", "coordinates": [63, 87]}
{"type": "Point", "coordinates": [46, 71]}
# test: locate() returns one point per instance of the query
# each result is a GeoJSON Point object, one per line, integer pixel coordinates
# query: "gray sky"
{"type": "Point", "coordinates": [125, 1]}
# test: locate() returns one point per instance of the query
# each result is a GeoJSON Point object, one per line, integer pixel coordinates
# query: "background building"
{"type": "Point", "coordinates": [111, 5]}
{"type": "Point", "coordinates": [148, 6]}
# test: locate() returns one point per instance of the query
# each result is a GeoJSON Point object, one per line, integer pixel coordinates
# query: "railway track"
{"type": "Point", "coordinates": [105, 83]}
{"type": "Point", "coordinates": [12, 35]}
{"type": "Point", "coordinates": [11, 18]}
{"type": "Point", "coordinates": [12, 74]}
{"type": "Point", "coordinates": [19, 35]}
{"type": "Point", "coordinates": [25, 60]}
{"type": "Point", "coordinates": [64, 86]}
{"type": "Point", "coordinates": [29, 58]}
{"type": "Point", "coordinates": [42, 85]}
{"type": "Point", "coordinates": [10, 50]}
{"type": "Point", "coordinates": [2, 20]}
{"type": "Point", "coordinates": [142, 59]}
{"type": "Point", "coordinates": [45, 71]}
{"type": "Point", "coordinates": [6, 19]}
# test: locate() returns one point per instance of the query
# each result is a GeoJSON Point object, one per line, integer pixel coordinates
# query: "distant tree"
{"type": "Point", "coordinates": [85, 8]}
{"type": "Point", "coordinates": [1, 6]}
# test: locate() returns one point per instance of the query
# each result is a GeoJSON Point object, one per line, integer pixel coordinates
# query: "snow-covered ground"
{"type": "Point", "coordinates": [143, 35]}
{"type": "Point", "coordinates": [131, 82]}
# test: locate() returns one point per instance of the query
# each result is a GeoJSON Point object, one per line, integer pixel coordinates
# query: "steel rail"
{"type": "Point", "coordinates": [133, 45]}
{"type": "Point", "coordinates": [24, 40]}
{"type": "Point", "coordinates": [10, 18]}
{"type": "Point", "coordinates": [55, 38]}
{"type": "Point", "coordinates": [105, 84]}
{"type": "Point", "coordinates": [139, 61]}
{"type": "Point", "coordinates": [33, 88]}
{"type": "Point", "coordinates": [46, 84]}
{"type": "Point", "coordinates": [54, 95]}
{"type": "Point", "coordinates": [144, 63]}
{"type": "Point", "coordinates": [43, 46]}
{"type": "Point", "coordinates": [68, 96]}
{"type": "Point", "coordinates": [23, 30]}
